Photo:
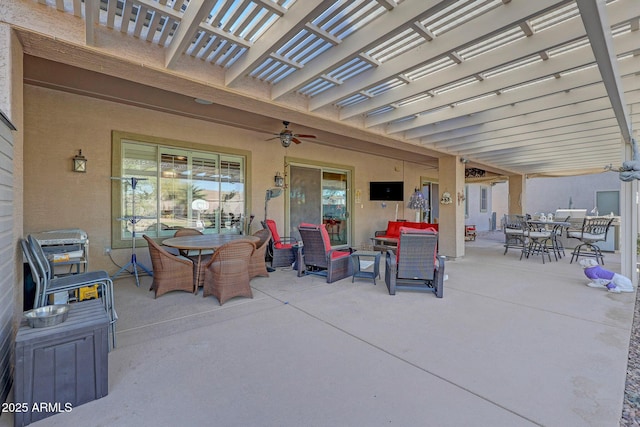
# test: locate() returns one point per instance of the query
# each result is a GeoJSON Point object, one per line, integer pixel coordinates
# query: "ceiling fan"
{"type": "Point", "coordinates": [286, 136]}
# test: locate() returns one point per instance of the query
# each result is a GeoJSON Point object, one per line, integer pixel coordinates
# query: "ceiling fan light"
{"type": "Point", "coordinates": [285, 139]}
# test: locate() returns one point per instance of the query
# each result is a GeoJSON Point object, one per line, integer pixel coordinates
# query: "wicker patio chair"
{"type": "Point", "coordinates": [227, 273]}
{"type": "Point", "coordinates": [170, 272]}
{"type": "Point", "coordinates": [593, 230]}
{"type": "Point", "coordinates": [319, 258]}
{"type": "Point", "coordinates": [416, 265]}
{"type": "Point", "coordinates": [258, 266]}
{"type": "Point", "coordinates": [187, 232]}
{"type": "Point", "coordinates": [280, 249]}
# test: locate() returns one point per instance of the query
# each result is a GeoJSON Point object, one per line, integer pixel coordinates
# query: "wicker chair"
{"type": "Point", "coordinates": [227, 273]}
{"type": "Point", "coordinates": [319, 258]}
{"type": "Point", "coordinates": [199, 258]}
{"type": "Point", "coordinates": [416, 266]}
{"type": "Point", "coordinates": [593, 230]}
{"type": "Point", "coordinates": [170, 272]}
{"type": "Point", "coordinates": [258, 266]}
{"type": "Point", "coordinates": [280, 249]}
{"type": "Point", "coordinates": [187, 232]}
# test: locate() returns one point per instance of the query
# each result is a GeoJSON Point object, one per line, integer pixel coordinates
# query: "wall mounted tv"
{"type": "Point", "coordinates": [391, 191]}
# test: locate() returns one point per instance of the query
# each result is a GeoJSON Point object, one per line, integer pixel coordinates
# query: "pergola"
{"type": "Point", "coordinates": [515, 89]}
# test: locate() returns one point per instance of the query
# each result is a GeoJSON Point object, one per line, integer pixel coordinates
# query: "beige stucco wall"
{"type": "Point", "coordinates": [58, 124]}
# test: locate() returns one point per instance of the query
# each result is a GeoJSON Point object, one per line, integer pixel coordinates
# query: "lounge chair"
{"type": "Point", "coordinates": [280, 250]}
{"type": "Point", "coordinates": [416, 265]}
{"type": "Point", "coordinates": [320, 258]}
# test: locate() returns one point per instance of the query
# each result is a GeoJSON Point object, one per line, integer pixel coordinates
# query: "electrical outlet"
{"type": "Point", "coordinates": [107, 250]}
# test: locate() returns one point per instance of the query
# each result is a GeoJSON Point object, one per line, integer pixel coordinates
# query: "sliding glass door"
{"type": "Point", "coordinates": [320, 195]}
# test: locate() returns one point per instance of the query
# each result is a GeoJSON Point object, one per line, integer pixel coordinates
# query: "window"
{"type": "Point", "coordinates": [608, 202]}
{"type": "Point", "coordinates": [484, 198]}
{"type": "Point", "coordinates": [166, 187]}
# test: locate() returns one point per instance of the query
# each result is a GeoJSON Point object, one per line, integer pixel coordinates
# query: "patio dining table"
{"type": "Point", "coordinates": [205, 242]}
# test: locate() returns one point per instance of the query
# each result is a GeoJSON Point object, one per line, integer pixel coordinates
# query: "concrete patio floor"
{"type": "Point", "coordinates": [512, 343]}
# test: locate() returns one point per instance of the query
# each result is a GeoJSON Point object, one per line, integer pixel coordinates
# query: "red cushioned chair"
{"type": "Point", "coordinates": [320, 258]}
{"type": "Point", "coordinates": [280, 250]}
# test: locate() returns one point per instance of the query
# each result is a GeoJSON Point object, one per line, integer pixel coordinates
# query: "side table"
{"type": "Point", "coordinates": [357, 272]}
{"type": "Point", "coordinates": [60, 367]}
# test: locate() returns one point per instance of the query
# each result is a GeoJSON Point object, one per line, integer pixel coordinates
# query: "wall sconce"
{"type": "Point", "coordinates": [461, 197]}
{"type": "Point", "coordinates": [79, 162]}
{"type": "Point", "coordinates": [446, 199]}
{"type": "Point", "coordinates": [278, 180]}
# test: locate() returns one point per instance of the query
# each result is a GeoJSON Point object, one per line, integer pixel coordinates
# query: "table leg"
{"type": "Point", "coordinates": [197, 281]}
{"type": "Point", "coordinates": [300, 261]}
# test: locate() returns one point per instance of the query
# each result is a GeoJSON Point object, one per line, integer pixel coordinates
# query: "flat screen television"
{"type": "Point", "coordinates": [391, 191]}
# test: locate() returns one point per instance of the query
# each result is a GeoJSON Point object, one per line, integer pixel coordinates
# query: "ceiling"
{"type": "Point", "coordinates": [541, 87]}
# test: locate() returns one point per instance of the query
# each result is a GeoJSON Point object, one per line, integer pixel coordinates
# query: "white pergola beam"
{"type": "Point", "coordinates": [603, 127]}
{"type": "Point", "coordinates": [526, 129]}
{"type": "Point", "coordinates": [594, 17]}
{"type": "Point", "coordinates": [551, 67]}
{"type": "Point", "coordinates": [402, 17]}
{"type": "Point", "coordinates": [92, 13]}
{"type": "Point", "coordinates": [287, 27]}
{"type": "Point", "coordinates": [574, 112]}
{"type": "Point", "coordinates": [189, 25]}
{"type": "Point", "coordinates": [519, 49]}
{"type": "Point", "coordinates": [576, 80]}
{"type": "Point", "coordinates": [489, 23]}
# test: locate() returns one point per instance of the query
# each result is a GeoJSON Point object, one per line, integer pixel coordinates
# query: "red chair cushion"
{"type": "Point", "coordinates": [340, 254]}
{"type": "Point", "coordinates": [393, 227]}
{"type": "Point", "coordinates": [271, 225]}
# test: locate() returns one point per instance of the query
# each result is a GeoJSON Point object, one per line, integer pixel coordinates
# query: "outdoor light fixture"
{"type": "Point", "coordinates": [418, 202]}
{"type": "Point", "coordinates": [286, 136]}
{"type": "Point", "coordinates": [278, 180]}
{"type": "Point", "coordinates": [79, 162]}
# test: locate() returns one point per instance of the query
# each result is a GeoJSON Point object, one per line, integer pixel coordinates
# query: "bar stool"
{"type": "Point", "coordinates": [593, 230]}
{"type": "Point", "coordinates": [538, 240]}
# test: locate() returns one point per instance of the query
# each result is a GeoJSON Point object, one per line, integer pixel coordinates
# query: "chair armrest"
{"type": "Point", "coordinates": [390, 271]}
{"type": "Point", "coordinates": [286, 240]}
{"type": "Point", "coordinates": [380, 233]}
{"type": "Point", "coordinates": [331, 251]}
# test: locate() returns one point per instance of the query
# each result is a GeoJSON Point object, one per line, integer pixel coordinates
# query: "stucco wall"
{"type": "Point", "coordinates": [58, 124]}
{"type": "Point", "coordinates": [549, 194]}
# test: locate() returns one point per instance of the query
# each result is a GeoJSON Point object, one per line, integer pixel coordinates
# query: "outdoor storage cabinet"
{"type": "Point", "coordinates": [60, 367]}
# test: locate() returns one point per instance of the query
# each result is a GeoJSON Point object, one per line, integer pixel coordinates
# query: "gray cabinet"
{"type": "Point", "coordinates": [60, 367]}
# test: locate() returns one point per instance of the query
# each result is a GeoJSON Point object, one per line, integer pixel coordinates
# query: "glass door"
{"type": "Point", "coordinates": [320, 195]}
{"type": "Point", "coordinates": [334, 206]}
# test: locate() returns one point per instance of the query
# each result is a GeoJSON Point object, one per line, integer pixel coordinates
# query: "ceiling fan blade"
{"type": "Point", "coordinates": [306, 136]}
{"type": "Point", "coordinates": [271, 139]}
{"type": "Point", "coordinates": [296, 140]}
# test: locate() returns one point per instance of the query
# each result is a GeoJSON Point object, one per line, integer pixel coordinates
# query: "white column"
{"type": "Point", "coordinates": [451, 218]}
{"type": "Point", "coordinates": [629, 214]}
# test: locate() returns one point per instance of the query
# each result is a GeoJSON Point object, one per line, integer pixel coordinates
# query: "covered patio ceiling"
{"type": "Point", "coordinates": [541, 87]}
